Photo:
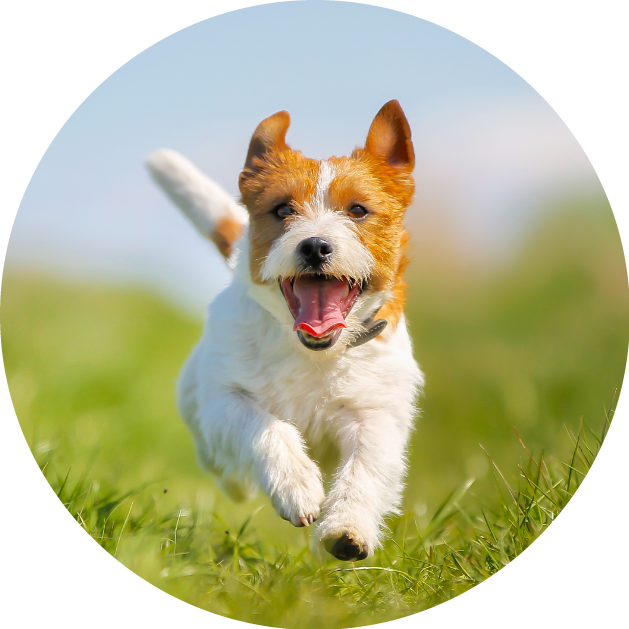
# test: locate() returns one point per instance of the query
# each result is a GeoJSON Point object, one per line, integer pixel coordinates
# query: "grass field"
{"type": "Point", "coordinates": [538, 345]}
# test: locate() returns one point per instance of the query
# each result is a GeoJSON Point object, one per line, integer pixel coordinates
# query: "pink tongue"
{"type": "Point", "coordinates": [320, 305]}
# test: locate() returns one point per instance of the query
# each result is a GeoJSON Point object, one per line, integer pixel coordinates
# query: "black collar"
{"type": "Point", "coordinates": [372, 329]}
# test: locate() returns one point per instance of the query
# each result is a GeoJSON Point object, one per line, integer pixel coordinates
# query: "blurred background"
{"type": "Point", "coordinates": [518, 288]}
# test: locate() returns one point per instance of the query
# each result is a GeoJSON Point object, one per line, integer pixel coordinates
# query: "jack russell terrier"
{"type": "Point", "coordinates": [306, 356]}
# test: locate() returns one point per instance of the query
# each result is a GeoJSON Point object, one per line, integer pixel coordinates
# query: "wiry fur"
{"type": "Point", "coordinates": [352, 259]}
{"type": "Point", "coordinates": [261, 407]}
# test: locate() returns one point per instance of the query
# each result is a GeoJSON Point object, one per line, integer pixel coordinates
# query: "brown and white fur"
{"type": "Point", "coordinates": [283, 375]}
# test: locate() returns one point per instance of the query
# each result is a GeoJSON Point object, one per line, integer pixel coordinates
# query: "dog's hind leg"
{"type": "Point", "coordinates": [188, 406]}
{"type": "Point", "coordinates": [237, 487]}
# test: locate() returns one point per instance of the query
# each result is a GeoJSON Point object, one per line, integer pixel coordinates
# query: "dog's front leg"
{"type": "Point", "coordinates": [241, 436]}
{"type": "Point", "coordinates": [368, 484]}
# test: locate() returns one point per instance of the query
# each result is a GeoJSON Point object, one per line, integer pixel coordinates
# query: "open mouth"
{"type": "Point", "coordinates": [319, 303]}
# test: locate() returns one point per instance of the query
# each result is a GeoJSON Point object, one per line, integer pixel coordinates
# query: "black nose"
{"type": "Point", "coordinates": [315, 251]}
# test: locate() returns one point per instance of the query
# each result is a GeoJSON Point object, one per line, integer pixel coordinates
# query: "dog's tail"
{"type": "Point", "coordinates": [212, 210]}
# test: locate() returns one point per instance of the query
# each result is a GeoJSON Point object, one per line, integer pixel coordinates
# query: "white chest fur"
{"type": "Point", "coordinates": [247, 349]}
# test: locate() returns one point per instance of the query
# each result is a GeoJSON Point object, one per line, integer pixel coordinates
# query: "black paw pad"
{"type": "Point", "coordinates": [346, 548]}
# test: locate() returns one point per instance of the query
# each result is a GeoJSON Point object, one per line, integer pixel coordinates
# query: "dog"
{"type": "Point", "coordinates": [306, 353]}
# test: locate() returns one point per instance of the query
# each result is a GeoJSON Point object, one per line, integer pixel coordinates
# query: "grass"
{"type": "Point", "coordinates": [191, 553]}
{"type": "Point", "coordinates": [532, 345]}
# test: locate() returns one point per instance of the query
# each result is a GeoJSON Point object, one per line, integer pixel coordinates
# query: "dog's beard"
{"type": "Point", "coordinates": [319, 304]}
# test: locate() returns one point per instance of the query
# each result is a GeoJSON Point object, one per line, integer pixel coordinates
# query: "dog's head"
{"type": "Point", "coordinates": [329, 234]}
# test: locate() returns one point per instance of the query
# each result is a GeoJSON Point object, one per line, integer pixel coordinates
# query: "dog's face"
{"type": "Point", "coordinates": [329, 234]}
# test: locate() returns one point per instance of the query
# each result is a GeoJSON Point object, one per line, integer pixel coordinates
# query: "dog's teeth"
{"type": "Point", "coordinates": [304, 521]}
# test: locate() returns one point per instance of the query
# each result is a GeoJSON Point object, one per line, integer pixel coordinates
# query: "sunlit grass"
{"type": "Point", "coordinates": [191, 553]}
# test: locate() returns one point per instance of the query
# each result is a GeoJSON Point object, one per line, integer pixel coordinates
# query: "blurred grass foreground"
{"type": "Point", "coordinates": [538, 344]}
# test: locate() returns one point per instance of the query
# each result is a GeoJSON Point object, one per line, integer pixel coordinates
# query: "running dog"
{"type": "Point", "coordinates": [306, 352]}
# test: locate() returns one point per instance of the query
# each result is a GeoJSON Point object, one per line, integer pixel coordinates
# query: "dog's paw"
{"type": "Point", "coordinates": [349, 535]}
{"type": "Point", "coordinates": [348, 545]}
{"type": "Point", "coordinates": [299, 495]}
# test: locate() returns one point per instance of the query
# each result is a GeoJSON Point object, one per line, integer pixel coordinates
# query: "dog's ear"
{"type": "Point", "coordinates": [389, 138]}
{"type": "Point", "coordinates": [270, 135]}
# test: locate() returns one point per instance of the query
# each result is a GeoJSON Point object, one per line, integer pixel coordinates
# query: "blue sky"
{"type": "Point", "coordinates": [489, 149]}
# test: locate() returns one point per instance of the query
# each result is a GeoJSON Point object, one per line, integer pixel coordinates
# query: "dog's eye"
{"type": "Point", "coordinates": [357, 212]}
{"type": "Point", "coordinates": [283, 210]}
